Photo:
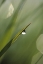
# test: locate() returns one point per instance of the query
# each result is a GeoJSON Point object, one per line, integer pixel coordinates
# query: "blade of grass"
{"type": "Point", "coordinates": [16, 36]}
{"type": "Point", "coordinates": [9, 28]}
{"type": "Point", "coordinates": [14, 39]}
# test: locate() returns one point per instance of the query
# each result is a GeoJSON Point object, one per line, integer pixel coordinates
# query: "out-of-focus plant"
{"type": "Point", "coordinates": [15, 16]}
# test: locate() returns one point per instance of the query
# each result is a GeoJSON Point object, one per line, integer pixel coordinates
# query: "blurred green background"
{"type": "Point", "coordinates": [14, 16]}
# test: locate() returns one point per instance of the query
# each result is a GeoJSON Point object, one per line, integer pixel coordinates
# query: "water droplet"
{"type": "Point", "coordinates": [23, 32]}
